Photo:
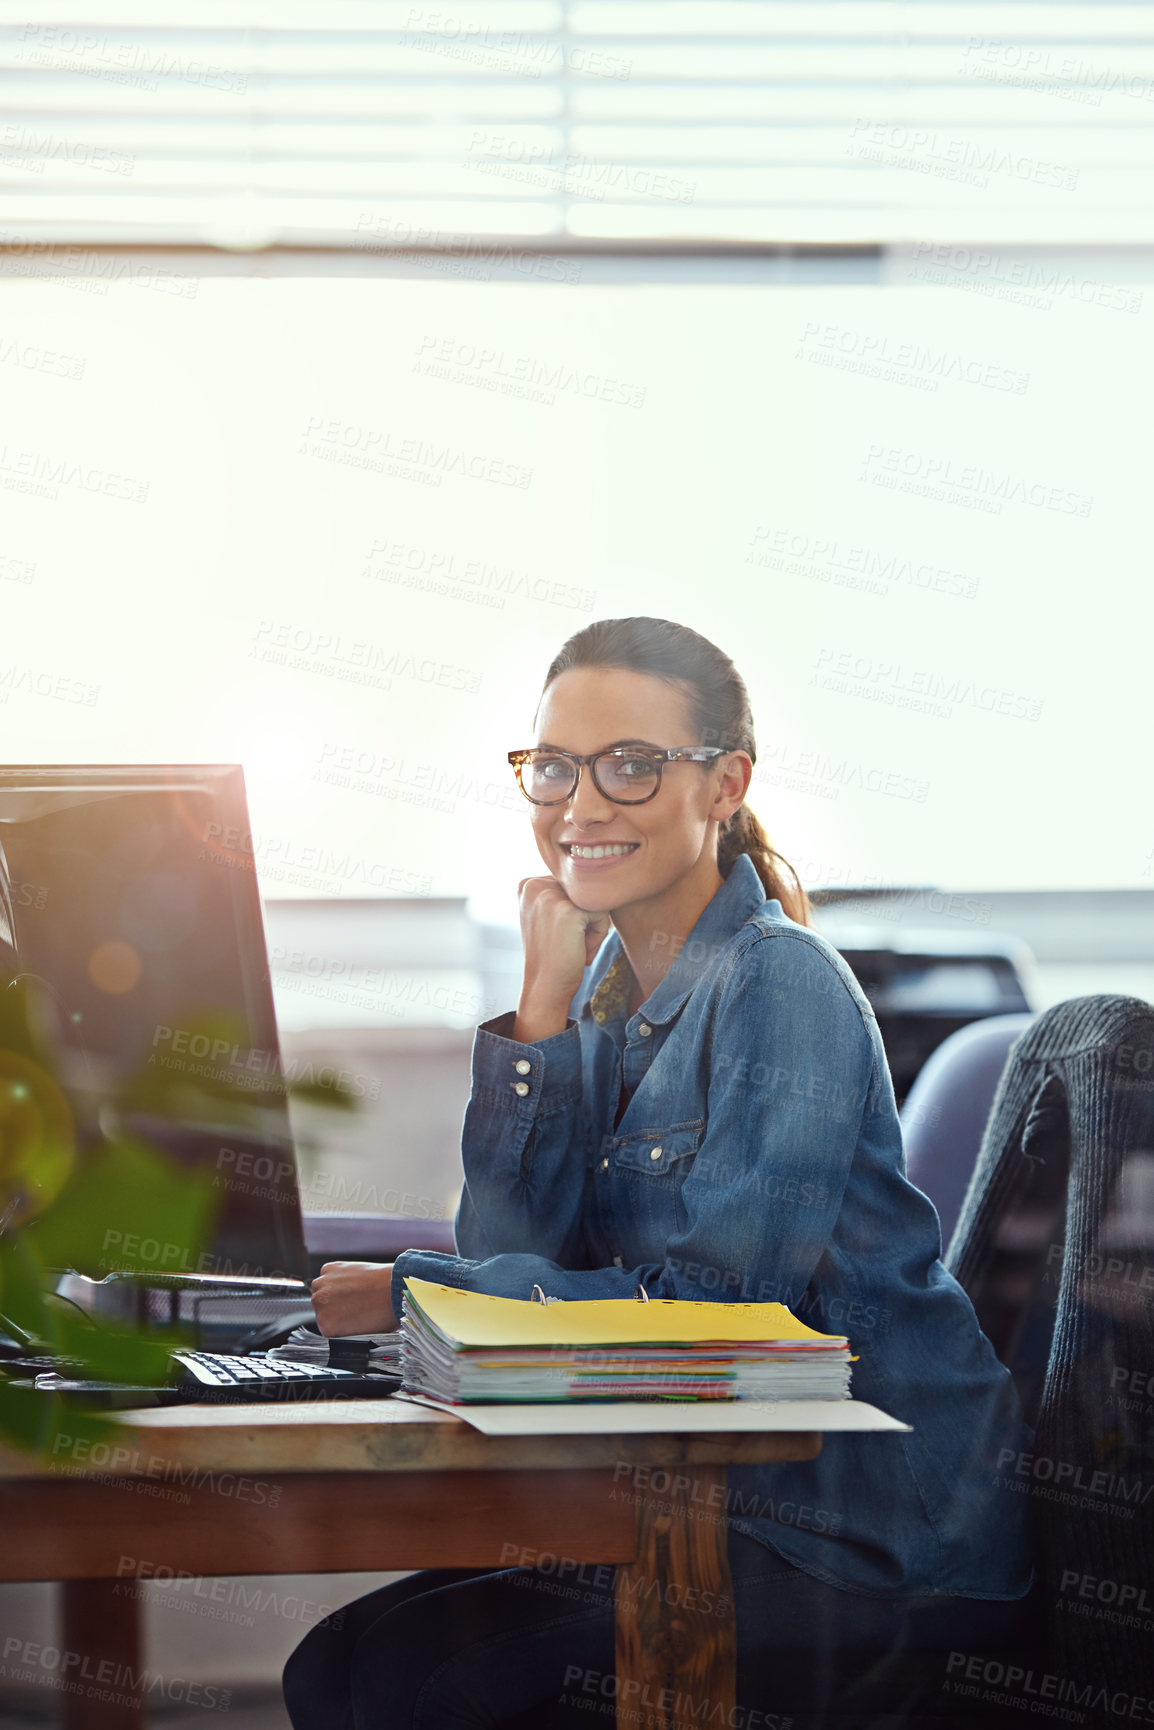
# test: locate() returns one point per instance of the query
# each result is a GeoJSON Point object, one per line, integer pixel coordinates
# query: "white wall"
{"type": "Point", "coordinates": [303, 459]}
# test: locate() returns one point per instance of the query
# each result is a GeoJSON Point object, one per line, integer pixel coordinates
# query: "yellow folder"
{"type": "Point", "coordinates": [468, 1318]}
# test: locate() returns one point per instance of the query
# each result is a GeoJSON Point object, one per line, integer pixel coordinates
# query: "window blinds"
{"type": "Point", "coordinates": [378, 125]}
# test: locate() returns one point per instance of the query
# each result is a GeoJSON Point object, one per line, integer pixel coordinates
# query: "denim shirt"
{"type": "Point", "coordinates": [759, 1158]}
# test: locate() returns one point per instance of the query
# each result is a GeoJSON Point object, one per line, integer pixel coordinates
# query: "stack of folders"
{"type": "Point", "coordinates": [466, 1347]}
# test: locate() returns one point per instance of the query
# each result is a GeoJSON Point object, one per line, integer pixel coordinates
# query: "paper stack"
{"type": "Point", "coordinates": [463, 1347]}
{"type": "Point", "coordinates": [360, 1352]}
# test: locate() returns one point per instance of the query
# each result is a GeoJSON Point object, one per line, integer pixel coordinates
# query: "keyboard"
{"type": "Point", "coordinates": [224, 1378]}
{"type": "Point", "coordinates": [212, 1375]}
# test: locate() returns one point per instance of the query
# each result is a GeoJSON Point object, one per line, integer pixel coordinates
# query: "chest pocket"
{"type": "Point", "coordinates": [656, 1153]}
{"type": "Point", "coordinates": [647, 1170]}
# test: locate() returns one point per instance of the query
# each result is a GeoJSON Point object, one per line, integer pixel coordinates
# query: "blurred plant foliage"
{"type": "Point", "coordinates": [57, 1178]}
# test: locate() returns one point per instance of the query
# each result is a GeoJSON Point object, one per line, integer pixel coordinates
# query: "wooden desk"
{"type": "Point", "coordinates": [327, 1487]}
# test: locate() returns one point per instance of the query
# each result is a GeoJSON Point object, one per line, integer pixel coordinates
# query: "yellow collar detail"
{"type": "Point", "coordinates": [612, 995]}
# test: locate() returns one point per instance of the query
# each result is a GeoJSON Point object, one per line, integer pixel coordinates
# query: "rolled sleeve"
{"type": "Point", "coordinates": [515, 1275]}
{"type": "Point", "coordinates": [431, 1264]}
{"type": "Point", "coordinates": [552, 1081]}
{"type": "Point", "coordinates": [522, 1146]}
{"type": "Point", "coordinates": [524, 1164]}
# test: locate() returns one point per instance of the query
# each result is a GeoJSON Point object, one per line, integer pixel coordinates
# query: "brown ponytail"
{"type": "Point", "coordinates": [720, 715]}
{"type": "Point", "coordinates": [742, 833]}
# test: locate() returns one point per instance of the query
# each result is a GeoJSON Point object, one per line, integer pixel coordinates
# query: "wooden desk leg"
{"type": "Point", "coordinates": [100, 1629]}
{"type": "Point", "coordinates": [676, 1654]}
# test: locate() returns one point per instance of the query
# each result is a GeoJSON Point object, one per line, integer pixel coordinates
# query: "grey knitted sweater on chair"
{"type": "Point", "coordinates": [1055, 1245]}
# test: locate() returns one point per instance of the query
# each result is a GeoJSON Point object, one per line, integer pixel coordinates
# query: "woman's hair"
{"type": "Point", "coordinates": [719, 715]}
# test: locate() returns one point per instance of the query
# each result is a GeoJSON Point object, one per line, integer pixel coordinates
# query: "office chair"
{"type": "Point", "coordinates": [944, 1115]}
{"type": "Point", "coordinates": [1055, 1246]}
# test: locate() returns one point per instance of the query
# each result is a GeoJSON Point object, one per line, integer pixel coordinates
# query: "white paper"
{"type": "Point", "coordinates": [657, 1417]}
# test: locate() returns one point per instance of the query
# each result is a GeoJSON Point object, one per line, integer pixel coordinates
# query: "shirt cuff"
{"type": "Point", "coordinates": [546, 1075]}
{"type": "Point", "coordinates": [432, 1264]}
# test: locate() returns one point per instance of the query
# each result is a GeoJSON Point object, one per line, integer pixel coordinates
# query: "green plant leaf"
{"type": "Point", "coordinates": [162, 1218]}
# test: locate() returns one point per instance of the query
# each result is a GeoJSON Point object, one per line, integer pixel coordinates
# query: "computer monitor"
{"type": "Point", "coordinates": [132, 942]}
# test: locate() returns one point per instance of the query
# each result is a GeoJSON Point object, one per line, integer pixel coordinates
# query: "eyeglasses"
{"type": "Point", "coordinates": [628, 774]}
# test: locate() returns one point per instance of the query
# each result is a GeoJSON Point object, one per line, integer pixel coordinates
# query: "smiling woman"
{"type": "Point", "coordinates": [692, 1097]}
{"type": "Point", "coordinates": [629, 836]}
{"type": "Point", "coordinates": [691, 685]}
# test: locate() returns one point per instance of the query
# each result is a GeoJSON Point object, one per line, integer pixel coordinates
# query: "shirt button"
{"type": "Point", "coordinates": [520, 1088]}
{"type": "Point", "coordinates": [655, 1153]}
{"type": "Point", "coordinates": [645, 1030]}
{"type": "Point", "coordinates": [523, 1067]}
{"type": "Point", "coordinates": [605, 1165]}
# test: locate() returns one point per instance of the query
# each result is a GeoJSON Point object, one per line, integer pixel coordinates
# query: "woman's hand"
{"type": "Point", "coordinates": [354, 1297]}
{"type": "Point", "coordinates": [560, 941]}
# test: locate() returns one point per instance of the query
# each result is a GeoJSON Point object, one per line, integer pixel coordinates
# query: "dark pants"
{"type": "Point", "coordinates": [526, 1649]}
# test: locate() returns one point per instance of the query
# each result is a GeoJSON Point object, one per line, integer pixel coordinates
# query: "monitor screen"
{"type": "Point", "coordinates": [134, 980]}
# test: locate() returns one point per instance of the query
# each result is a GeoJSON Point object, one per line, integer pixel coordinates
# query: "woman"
{"type": "Point", "coordinates": [701, 1106]}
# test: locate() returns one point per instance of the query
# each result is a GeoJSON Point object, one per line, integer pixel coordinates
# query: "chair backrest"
{"type": "Point", "coordinates": [1055, 1247]}
{"type": "Point", "coordinates": [944, 1114]}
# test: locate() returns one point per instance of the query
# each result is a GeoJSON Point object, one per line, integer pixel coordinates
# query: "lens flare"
{"type": "Point", "coordinates": [37, 1141]}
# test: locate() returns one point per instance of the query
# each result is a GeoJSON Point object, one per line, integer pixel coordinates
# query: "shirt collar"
{"type": "Point", "coordinates": [740, 895]}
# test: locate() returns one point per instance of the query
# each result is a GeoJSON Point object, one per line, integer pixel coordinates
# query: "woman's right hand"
{"type": "Point", "coordinates": [560, 941]}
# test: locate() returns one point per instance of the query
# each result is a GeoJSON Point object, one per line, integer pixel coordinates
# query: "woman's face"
{"type": "Point", "coordinates": [653, 845]}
